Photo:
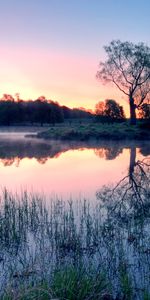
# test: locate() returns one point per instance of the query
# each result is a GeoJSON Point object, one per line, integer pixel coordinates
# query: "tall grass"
{"type": "Point", "coordinates": [71, 250]}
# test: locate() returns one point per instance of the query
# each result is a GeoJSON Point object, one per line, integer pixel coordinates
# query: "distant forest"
{"type": "Point", "coordinates": [15, 111]}
{"type": "Point", "coordinates": [41, 111]}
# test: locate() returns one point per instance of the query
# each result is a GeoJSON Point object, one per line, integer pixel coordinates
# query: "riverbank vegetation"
{"type": "Point", "coordinates": [108, 121]}
{"type": "Point", "coordinates": [97, 130]}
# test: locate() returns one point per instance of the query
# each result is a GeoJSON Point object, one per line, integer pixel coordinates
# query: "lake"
{"type": "Point", "coordinates": [38, 238]}
{"type": "Point", "coordinates": [64, 169]}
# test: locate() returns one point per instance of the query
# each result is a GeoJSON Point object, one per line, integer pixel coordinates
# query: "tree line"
{"type": "Point", "coordinates": [127, 66]}
{"type": "Point", "coordinates": [15, 111]}
{"type": "Point", "coordinates": [40, 111]}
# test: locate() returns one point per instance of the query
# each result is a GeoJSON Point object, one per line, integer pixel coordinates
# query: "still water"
{"type": "Point", "coordinates": [112, 235]}
{"type": "Point", "coordinates": [65, 169]}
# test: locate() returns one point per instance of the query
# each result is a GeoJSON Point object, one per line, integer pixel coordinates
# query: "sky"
{"type": "Point", "coordinates": [53, 47]}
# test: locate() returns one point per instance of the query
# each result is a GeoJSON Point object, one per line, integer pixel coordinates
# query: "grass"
{"type": "Point", "coordinates": [74, 283]}
{"type": "Point", "coordinates": [73, 250]}
{"type": "Point", "coordinates": [87, 131]}
{"type": "Point", "coordinates": [70, 283]}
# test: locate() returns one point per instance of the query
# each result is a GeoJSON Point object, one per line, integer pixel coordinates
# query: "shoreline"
{"type": "Point", "coordinates": [87, 132]}
{"type": "Point", "coordinates": [84, 132]}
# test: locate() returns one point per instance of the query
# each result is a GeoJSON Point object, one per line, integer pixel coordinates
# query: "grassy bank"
{"type": "Point", "coordinates": [74, 250]}
{"type": "Point", "coordinates": [87, 131]}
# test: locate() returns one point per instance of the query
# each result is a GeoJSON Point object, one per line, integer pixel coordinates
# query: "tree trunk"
{"type": "Point", "coordinates": [132, 111]}
{"type": "Point", "coordinates": [132, 162]}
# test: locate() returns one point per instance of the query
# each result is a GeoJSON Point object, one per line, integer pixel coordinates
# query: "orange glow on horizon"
{"type": "Point", "coordinates": [68, 79]}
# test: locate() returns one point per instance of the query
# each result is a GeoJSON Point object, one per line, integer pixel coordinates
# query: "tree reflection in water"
{"type": "Point", "coordinates": [126, 227]}
{"type": "Point", "coordinates": [108, 153]}
{"type": "Point", "coordinates": [114, 234]}
{"type": "Point", "coordinates": [132, 192]}
{"type": "Point", "coordinates": [13, 151]}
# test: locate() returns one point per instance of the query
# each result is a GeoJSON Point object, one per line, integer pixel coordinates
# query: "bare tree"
{"type": "Point", "coordinates": [128, 67]}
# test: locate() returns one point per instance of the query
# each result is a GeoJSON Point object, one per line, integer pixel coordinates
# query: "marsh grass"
{"type": "Point", "coordinates": [70, 250]}
{"type": "Point", "coordinates": [75, 283]}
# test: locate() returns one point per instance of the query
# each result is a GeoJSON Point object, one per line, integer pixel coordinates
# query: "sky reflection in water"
{"type": "Point", "coordinates": [77, 169]}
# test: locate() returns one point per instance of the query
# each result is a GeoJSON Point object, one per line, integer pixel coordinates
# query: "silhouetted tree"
{"type": "Point", "coordinates": [17, 95]}
{"type": "Point", "coordinates": [8, 112]}
{"type": "Point", "coordinates": [66, 112]}
{"type": "Point", "coordinates": [114, 110]}
{"type": "Point", "coordinates": [41, 108]}
{"type": "Point", "coordinates": [7, 97]}
{"type": "Point", "coordinates": [144, 112]}
{"type": "Point", "coordinates": [128, 67]}
{"type": "Point", "coordinates": [100, 108]}
{"type": "Point", "coordinates": [29, 111]}
{"type": "Point", "coordinates": [56, 113]}
{"type": "Point", "coordinates": [110, 110]}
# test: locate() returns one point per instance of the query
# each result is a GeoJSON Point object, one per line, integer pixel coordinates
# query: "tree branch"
{"type": "Point", "coordinates": [113, 80]}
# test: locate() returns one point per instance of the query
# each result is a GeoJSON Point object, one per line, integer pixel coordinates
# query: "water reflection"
{"type": "Point", "coordinates": [66, 169]}
{"type": "Point", "coordinates": [126, 223]}
{"type": "Point", "coordinates": [115, 233]}
{"type": "Point", "coordinates": [12, 151]}
{"type": "Point", "coordinates": [131, 194]}
{"type": "Point", "coordinates": [109, 153]}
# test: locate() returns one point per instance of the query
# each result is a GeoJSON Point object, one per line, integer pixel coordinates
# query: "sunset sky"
{"type": "Point", "coordinates": [53, 47]}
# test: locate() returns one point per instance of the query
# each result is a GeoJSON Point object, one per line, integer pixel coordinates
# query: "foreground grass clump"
{"type": "Point", "coordinates": [83, 132]}
{"type": "Point", "coordinates": [75, 283]}
{"type": "Point", "coordinates": [70, 282]}
{"type": "Point", "coordinates": [74, 249]}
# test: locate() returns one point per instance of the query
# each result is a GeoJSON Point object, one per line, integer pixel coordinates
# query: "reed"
{"type": "Point", "coordinates": [50, 248]}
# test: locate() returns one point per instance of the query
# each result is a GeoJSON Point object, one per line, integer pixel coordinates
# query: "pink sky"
{"type": "Point", "coordinates": [53, 48]}
{"type": "Point", "coordinates": [68, 78]}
